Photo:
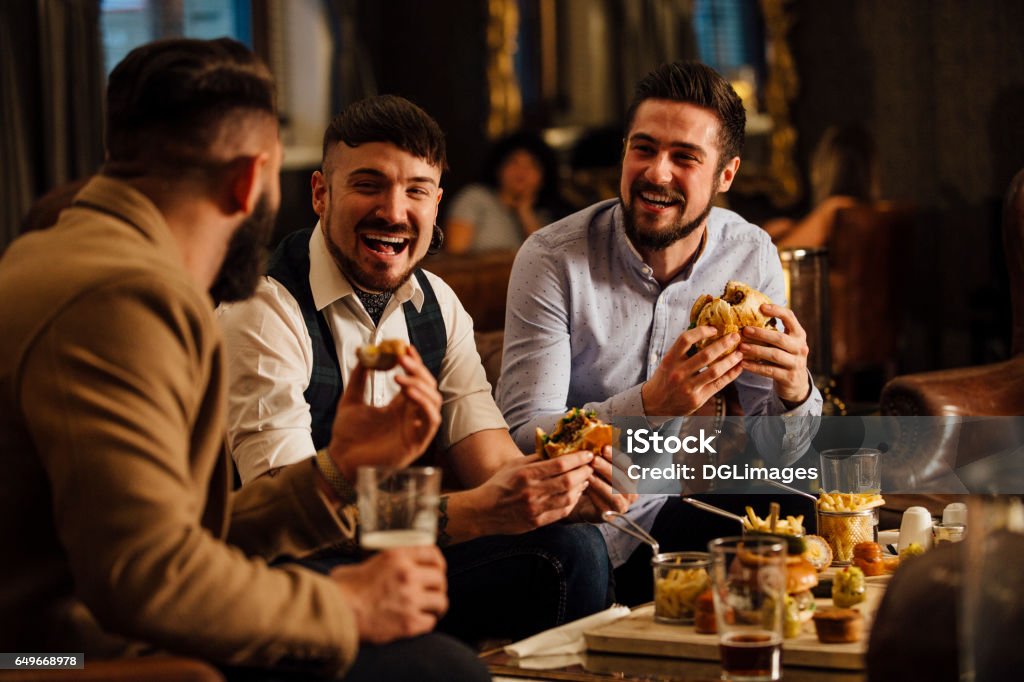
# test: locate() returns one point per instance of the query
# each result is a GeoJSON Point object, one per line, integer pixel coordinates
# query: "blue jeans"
{"type": "Point", "coordinates": [513, 586]}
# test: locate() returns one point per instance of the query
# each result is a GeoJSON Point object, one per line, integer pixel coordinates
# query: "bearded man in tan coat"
{"type": "Point", "coordinates": [121, 535]}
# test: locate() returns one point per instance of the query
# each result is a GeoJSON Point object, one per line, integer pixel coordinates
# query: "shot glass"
{"type": "Point", "coordinates": [397, 507]}
{"type": "Point", "coordinates": [749, 587]}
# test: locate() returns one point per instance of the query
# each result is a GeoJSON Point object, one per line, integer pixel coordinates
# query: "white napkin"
{"type": "Point", "coordinates": [565, 639]}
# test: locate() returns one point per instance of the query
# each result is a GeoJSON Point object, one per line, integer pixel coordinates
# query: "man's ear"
{"type": "Point", "coordinates": [318, 185]}
{"type": "Point", "coordinates": [437, 203]}
{"type": "Point", "coordinates": [728, 174]}
{"type": "Point", "coordinates": [245, 186]}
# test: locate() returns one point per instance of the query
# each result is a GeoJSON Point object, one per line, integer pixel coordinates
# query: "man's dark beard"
{"type": "Point", "coordinates": [244, 262]}
{"type": "Point", "coordinates": [659, 241]}
{"type": "Point", "coordinates": [373, 281]}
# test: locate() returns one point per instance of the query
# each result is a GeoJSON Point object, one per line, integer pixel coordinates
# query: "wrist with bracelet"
{"type": "Point", "coordinates": [341, 486]}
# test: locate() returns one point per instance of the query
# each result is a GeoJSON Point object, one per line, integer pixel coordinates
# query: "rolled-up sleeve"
{"type": "Point", "coordinates": [269, 361]}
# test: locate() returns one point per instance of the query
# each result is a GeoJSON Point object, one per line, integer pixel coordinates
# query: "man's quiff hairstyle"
{"type": "Point", "coordinates": [168, 101]}
{"type": "Point", "coordinates": [698, 84]}
{"type": "Point", "coordinates": [388, 118]}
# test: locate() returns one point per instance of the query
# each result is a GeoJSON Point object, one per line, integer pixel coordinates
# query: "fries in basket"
{"type": "Point", "coordinates": [849, 502]}
{"type": "Point", "coordinates": [842, 521]}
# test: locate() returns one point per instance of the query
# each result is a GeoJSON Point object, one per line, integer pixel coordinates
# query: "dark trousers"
{"type": "Point", "coordinates": [513, 586]}
{"type": "Point", "coordinates": [680, 527]}
{"type": "Point", "coordinates": [429, 658]}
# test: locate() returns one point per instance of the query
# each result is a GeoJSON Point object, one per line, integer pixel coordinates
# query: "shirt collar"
{"type": "Point", "coordinates": [632, 258]}
{"type": "Point", "coordinates": [328, 284]}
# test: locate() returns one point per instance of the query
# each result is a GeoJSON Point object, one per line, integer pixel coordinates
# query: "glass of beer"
{"type": "Point", "coordinates": [397, 507]}
{"type": "Point", "coordinates": [748, 577]}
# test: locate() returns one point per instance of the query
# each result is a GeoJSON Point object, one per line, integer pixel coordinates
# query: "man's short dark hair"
{"type": "Point", "coordinates": [697, 84]}
{"type": "Point", "coordinates": [167, 99]}
{"type": "Point", "coordinates": [388, 118]}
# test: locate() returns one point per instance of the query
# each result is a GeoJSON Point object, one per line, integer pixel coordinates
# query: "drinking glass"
{"type": "Point", "coordinates": [749, 587]}
{"type": "Point", "coordinates": [851, 470]}
{"type": "Point", "coordinates": [397, 507]}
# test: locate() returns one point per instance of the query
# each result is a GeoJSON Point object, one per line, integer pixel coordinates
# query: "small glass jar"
{"type": "Point", "coordinates": [679, 578]}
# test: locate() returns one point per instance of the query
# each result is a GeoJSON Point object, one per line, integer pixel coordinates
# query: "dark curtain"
{"type": "Point", "coordinates": [352, 76]}
{"type": "Point", "coordinates": [51, 100]}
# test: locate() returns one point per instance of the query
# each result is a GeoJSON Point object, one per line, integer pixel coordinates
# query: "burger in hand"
{"type": "Point", "coordinates": [577, 430]}
{"type": "Point", "coordinates": [738, 307]}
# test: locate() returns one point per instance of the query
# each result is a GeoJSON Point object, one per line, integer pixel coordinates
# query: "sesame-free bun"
{"type": "Point", "coordinates": [738, 307]}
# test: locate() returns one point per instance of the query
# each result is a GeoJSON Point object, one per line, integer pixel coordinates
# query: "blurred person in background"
{"type": "Point", "coordinates": [518, 194]}
{"type": "Point", "coordinates": [844, 173]}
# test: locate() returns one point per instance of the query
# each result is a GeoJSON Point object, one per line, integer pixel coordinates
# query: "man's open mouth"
{"type": "Point", "coordinates": [385, 243]}
{"type": "Point", "coordinates": [659, 200]}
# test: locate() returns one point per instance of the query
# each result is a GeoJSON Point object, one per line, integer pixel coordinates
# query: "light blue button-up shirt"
{"type": "Point", "coordinates": [587, 324]}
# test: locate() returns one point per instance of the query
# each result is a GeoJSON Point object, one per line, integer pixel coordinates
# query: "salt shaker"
{"type": "Point", "coordinates": [916, 528]}
{"type": "Point", "coordinates": [955, 514]}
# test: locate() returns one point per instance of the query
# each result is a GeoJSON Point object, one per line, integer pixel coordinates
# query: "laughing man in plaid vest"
{"type": "Point", "coordinates": [508, 525]}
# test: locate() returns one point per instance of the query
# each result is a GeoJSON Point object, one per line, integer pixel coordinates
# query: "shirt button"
{"type": "Point", "coordinates": [647, 270]}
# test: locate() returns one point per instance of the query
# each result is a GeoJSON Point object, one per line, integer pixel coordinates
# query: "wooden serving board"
{"type": "Point", "coordinates": [638, 633]}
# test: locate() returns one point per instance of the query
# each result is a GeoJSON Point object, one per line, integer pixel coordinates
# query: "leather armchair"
{"type": "Point", "coordinates": [995, 389]}
{"type": "Point", "coordinates": [983, 391]}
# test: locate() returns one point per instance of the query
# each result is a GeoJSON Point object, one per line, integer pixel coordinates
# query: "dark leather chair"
{"type": "Point", "coordinates": [966, 395]}
{"type": "Point", "coordinates": [994, 389]}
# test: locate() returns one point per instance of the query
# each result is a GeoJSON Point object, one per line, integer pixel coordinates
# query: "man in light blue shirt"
{"type": "Point", "coordinates": [599, 303]}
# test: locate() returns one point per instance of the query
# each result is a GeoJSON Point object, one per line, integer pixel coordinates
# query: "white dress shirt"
{"type": "Point", "coordinates": [270, 362]}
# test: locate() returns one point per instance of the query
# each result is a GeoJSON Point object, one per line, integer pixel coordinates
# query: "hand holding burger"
{"type": "Point", "coordinates": [780, 356]}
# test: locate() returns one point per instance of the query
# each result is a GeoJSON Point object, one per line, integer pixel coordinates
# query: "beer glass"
{"type": "Point", "coordinates": [397, 507]}
{"type": "Point", "coordinates": [749, 586]}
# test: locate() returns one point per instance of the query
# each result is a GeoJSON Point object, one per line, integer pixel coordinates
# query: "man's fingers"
{"type": "Point", "coordinates": [355, 386]}
{"type": "Point", "coordinates": [427, 390]}
{"type": "Point", "coordinates": [788, 317]}
{"type": "Point", "coordinates": [768, 354]}
{"type": "Point", "coordinates": [724, 380]}
{"type": "Point", "coordinates": [556, 466]}
{"type": "Point", "coordinates": [713, 351]}
{"type": "Point", "coordinates": [412, 363]}
{"type": "Point", "coordinates": [427, 556]}
{"type": "Point", "coordinates": [683, 342]}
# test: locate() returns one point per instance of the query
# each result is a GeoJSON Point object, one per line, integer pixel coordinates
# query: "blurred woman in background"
{"type": "Point", "coordinates": [844, 173]}
{"type": "Point", "coordinates": [518, 194]}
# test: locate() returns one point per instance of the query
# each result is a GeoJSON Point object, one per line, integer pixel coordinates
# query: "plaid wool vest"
{"type": "Point", "coordinates": [289, 265]}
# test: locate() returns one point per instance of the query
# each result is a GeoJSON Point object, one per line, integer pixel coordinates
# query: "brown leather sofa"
{"type": "Point", "coordinates": [480, 281]}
